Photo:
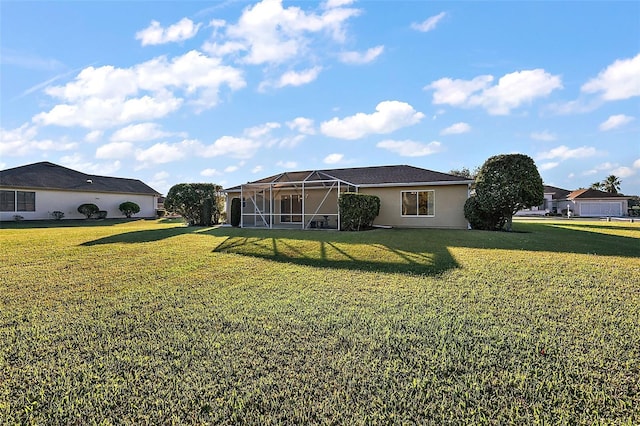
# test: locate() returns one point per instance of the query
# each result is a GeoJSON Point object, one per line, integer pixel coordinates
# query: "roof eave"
{"type": "Point", "coordinates": [397, 184]}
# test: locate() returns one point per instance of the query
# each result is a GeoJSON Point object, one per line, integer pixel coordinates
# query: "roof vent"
{"type": "Point", "coordinates": [89, 181]}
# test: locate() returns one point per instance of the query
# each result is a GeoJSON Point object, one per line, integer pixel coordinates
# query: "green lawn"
{"type": "Point", "coordinates": [151, 322]}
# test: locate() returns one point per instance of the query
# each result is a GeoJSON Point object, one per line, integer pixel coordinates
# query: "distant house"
{"type": "Point", "coordinates": [35, 190]}
{"type": "Point", "coordinates": [582, 202]}
{"type": "Point", "coordinates": [595, 203]}
{"type": "Point", "coordinates": [410, 197]}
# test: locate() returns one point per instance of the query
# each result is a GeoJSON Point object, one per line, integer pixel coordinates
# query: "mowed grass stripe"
{"type": "Point", "coordinates": [152, 322]}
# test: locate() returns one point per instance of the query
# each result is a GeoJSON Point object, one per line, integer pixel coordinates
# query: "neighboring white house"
{"type": "Point", "coordinates": [410, 197]}
{"type": "Point", "coordinates": [582, 202]}
{"type": "Point", "coordinates": [595, 203]}
{"type": "Point", "coordinates": [36, 190]}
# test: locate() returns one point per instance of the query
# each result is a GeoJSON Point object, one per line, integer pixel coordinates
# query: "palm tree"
{"type": "Point", "coordinates": [611, 184]}
{"type": "Point", "coordinates": [597, 185]}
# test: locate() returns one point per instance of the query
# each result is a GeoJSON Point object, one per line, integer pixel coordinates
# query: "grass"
{"type": "Point", "coordinates": [151, 322]}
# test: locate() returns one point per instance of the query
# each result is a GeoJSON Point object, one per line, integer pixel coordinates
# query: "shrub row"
{"type": "Point", "coordinates": [128, 208]}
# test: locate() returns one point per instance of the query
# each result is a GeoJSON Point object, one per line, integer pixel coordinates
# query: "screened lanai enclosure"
{"type": "Point", "coordinates": [293, 200]}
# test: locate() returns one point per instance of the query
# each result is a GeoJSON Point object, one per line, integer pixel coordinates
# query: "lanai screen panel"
{"type": "Point", "coordinates": [310, 202]}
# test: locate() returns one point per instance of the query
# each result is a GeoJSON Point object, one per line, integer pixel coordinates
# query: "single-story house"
{"type": "Point", "coordinates": [36, 190]}
{"type": "Point", "coordinates": [582, 202]}
{"type": "Point", "coordinates": [410, 197]}
{"type": "Point", "coordinates": [555, 199]}
{"type": "Point", "coordinates": [595, 203]}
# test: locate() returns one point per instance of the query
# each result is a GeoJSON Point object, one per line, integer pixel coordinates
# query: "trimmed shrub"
{"type": "Point", "coordinates": [236, 211]}
{"type": "Point", "coordinates": [57, 215]}
{"type": "Point", "coordinates": [102, 214]}
{"type": "Point", "coordinates": [357, 211]}
{"type": "Point", "coordinates": [88, 209]}
{"type": "Point", "coordinates": [129, 208]}
{"type": "Point", "coordinates": [480, 218]}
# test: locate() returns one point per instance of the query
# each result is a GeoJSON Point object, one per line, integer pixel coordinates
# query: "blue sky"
{"type": "Point", "coordinates": [229, 92]}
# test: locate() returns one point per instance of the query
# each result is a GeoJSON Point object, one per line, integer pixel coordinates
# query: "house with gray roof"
{"type": "Point", "coordinates": [582, 202]}
{"type": "Point", "coordinates": [36, 190]}
{"type": "Point", "coordinates": [410, 197]}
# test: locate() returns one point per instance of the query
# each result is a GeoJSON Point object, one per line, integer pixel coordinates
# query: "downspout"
{"type": "Point", "coordinates": [468, 196]}
{"type": "Point", "coordinates": [241, 206]}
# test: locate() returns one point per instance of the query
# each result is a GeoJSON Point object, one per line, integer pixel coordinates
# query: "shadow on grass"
{"type": "Point", "coordinates": [410, 251]}
{"type": "Point", "coordinates": [372, 251]}
{"type": "Point", "coordinates": [142, 236]}
{"type": "Point", "coordinates": [65, 223]}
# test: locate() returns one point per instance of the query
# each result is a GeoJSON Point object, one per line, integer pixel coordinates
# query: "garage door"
{"type": "Point", "coordinates": [601, 209]}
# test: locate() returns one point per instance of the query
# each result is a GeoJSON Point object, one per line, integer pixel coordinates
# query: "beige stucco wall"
{"type": "Point", "coordinates": [449, 207]}
{"type": "Point", "coordinates": [68, 202]}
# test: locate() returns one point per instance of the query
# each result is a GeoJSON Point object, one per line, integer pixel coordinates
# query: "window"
{"type": "Point", "coordinates": [7, 201]}
{"type": "Point", "coordinates": [26, 201]}
{"type": "Point", "coordinates": [418, 203]}
{"type": "Point", "coordinates": [291, 208]}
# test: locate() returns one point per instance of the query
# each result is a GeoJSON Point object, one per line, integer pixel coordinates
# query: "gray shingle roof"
{"type": "Point", "coordinates": [368, 176]}
{"type": "Point", "coordinates": [557, 193]}
{"type": "Point", "coordinates": [46, 175]}
{"type": "Point", "coordinates": [585, 194]}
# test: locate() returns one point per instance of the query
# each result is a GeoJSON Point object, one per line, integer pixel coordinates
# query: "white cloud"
{"type": "Point", "coordinates": [161, 175]}
{"type": "Point", "coordinates": [623, 172]}
{"type": "Point", "coordinates": [429, 24]}
{"type": "Point", "coordinates": [105, 97]}
{"type": "Point", "coordinates": [180, 31]}
{"type": "Point", "coordinates": [545, 136]}
{"type": "Point", "coordinates": [361, 58]}
{"type": "Point", "coordinates": [231, 146]}
{"type": "Point", "coordinates": [302, 125]}
{"type": "Point", "coordinates": [261, 130]}
{"type": "Point", "coordinates": [615, 121]}
{"type": "Point", "coordinates": [600, 168]}
{"type": "Point", "coordinates": [287, 164]}
{"type": "Point", "coordinates": [409, 148]}
{"type": "Point", "coordinates": [77, 162]}
{"type": "Point", "coordinates": [231, 169]}
{"type": "Point", "coordinates": [139, 132]}
{"type": "Point", "coordinates": [620, 80]}
{"type": "Point", "coordinates": [511, 91]}
{"type": "Point", "coordinates": [389, 116]}
{"type": "Point", "coordinates": [456, 129]}
{"type": "Point", "coordinates": [457, 92]}
{"type": "Point", "coordinates": [105, 113]}
{"type": "Point", "coordinates": [333, 158]}
{"type": "Point", "coordinates": [22, 141]}
{"type": "Point", "coordinates": [210, 173]}
{"type": "Point", "coordinates": [294, 78]}
{"type": "Point", "coordinates": [291, 142]}
{"type": "Point", "coordinates": [115, 150]}
{"type": "Point", "coordinates": [164, 152]}
{"type": "Point", "coordinates": [257, 169]}
{"type": "Point", "coordinates": [268, 33]}
{"type": "Point", "coordinates": [548, 166]}
{"type": "Point", "coordinates": [93, 136]}
{"type": "Point", "coordinates": [337, 3]}
{"type": "Point", "coordinates": [565, 153]}
{"type": "Point", "coordinates": [636, 164]}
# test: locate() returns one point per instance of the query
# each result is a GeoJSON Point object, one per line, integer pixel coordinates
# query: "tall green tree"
{"type": "Point", "coordinates": [596, 185]}
{"type": "Point", "coordinates": [611, 184]}
{"type": "Point", "coordinates": [198, 203]}
{"type": "Point", "coordinates": [465, 172]}
{"type": "Point", "coordinates": [504, 185]}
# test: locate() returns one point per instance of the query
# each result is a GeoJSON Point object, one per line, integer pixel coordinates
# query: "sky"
{"type": "Point", "coordinates": [228, 92]}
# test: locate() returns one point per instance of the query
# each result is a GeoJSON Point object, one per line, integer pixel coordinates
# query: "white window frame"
{"type": "Point", "coordinates": [417, 192]}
